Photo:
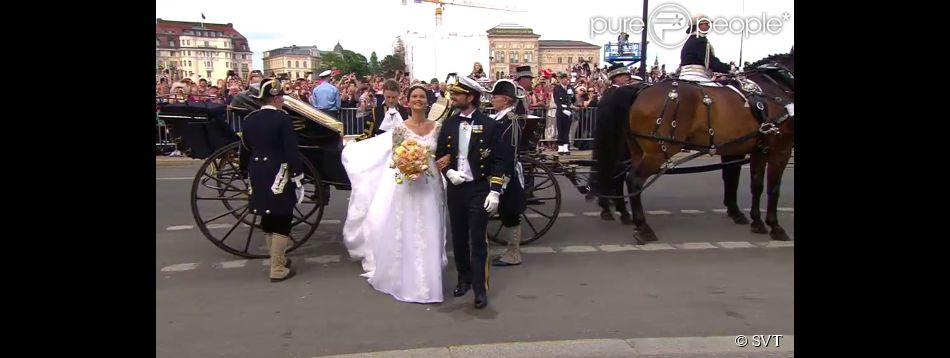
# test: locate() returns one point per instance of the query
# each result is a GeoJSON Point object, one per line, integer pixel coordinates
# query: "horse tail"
{"type": "Point", "coordinates": [611, 131]}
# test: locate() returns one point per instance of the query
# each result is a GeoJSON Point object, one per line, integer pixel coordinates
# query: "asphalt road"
{"type": "Point", "coordinates": [583, 279]}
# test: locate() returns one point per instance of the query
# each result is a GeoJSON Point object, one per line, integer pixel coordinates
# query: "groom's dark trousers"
{"type": "Point", "coordinates": [469, 240]}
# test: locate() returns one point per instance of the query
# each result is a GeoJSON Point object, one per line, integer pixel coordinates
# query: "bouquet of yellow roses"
{"type": "Point", "coordinates": [412, 161]}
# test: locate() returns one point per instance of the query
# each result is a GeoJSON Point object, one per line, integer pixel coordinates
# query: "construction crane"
{"type": "Point", "coordinates": [466, 3]}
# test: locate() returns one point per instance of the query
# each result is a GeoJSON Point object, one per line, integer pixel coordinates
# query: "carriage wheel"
{"type": "Point", "coordinates": [543, 196]}
{"type": "Point", "coordinates": [220, 206]}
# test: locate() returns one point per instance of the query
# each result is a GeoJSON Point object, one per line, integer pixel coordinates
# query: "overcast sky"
{"type": "Point", "coordinates": [364, 26]}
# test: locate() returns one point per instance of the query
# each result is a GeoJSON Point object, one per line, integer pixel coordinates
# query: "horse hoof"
{"type": "Point", "coordinates": [779, 235]}
{"type": "Point", "coordinates": [643, 237]}
{"type": "Point", "coordinates": [759, 228]}
{"type": "Point", "coordinates": [739, 218]}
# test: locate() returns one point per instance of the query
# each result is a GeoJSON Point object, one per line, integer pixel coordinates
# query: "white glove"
{"type": "Point", "coordinates": [300, 194]}
{"type": "Point", "coordinates": [454, 176]}
{"type": "Point", "coordinates": [491, 202]}
{"type": "Point", "coordinates": [566, 112]}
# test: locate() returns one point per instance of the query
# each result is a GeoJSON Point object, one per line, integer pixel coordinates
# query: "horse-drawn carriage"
{"type": "Point", "coordinates": [219, 196]}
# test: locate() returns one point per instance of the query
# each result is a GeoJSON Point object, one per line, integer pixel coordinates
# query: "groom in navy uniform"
{"type": "Point", "coordinates": [466, 151]}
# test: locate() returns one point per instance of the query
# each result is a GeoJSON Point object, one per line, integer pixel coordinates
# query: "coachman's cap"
{"type": "Point", "coordinates": [523, 71]}
{"type": "Point", "coordinates": [505, 88]}
{"type": "Point", "coordinates": [324, 74]}
{"type": "Point", "coordinates": [270, 87]}
{"type": "Point", "coordinates": [617, 69]}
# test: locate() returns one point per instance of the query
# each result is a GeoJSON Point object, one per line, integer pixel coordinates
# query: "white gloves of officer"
{"type": "Point", "coordinates": [300, 192]}
{"type": "Point", "coordinates": [491, 201]}
{"type": "Point", "coordinates": [454, 176]}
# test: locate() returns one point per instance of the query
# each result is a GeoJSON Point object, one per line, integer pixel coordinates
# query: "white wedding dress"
{"type": "Point", "coordinates": [396, 230]}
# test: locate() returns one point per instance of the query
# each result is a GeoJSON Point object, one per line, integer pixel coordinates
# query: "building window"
{"type": "Point", "coordinates": [590, 59]}
{"type": "Point", "coordinates": [244, 66]}
{"type": "Point", "coordinates": [297, 63]}
{"type": "Point", "coordinates": [189, 64]}
{"type": "Point", "coordinates": [207, 63]}
{"type": "Point", "coordinates": [191, 73]}
{"type": "Point", "coordinates": [227, 64]}
{"type": "Point", "coordinates": [288, 64]}
{"type": "Point", "coordinates": [580, 59]}
{"type": "Point", "coordinates": [296, 74]}
{"type": "Point", "coordinates": [171, 53]}
{"type": "Point", "coordinates": [558, 60]}
{"type": "Point", "coordinates": [500, 56]}
{"type": "Point", "coordinates": [243, 57]}
{"type": "Point", "coordinates": [527, 57]}
{"type": "Point", "coordinates": [569, 59]}
{"type": "Point", "coordinates": [514, 57]}
{"type": "Point", "coordinates": [244, 47]}
{"type": "Point", "coordinates": [305, 64]}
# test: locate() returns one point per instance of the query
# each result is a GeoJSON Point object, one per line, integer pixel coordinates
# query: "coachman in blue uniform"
{"type": "Point", "coordinates": [697, 59]}
{"type": "Point", "coordinates": [269, 157]}
{"type": "Point", "coordinates": [506, 98]}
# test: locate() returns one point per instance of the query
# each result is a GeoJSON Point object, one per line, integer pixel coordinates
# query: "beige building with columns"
{"type": "Point", "coordinates": [514, 45]}
{"type": "Point", "coordinates": [294, 61]}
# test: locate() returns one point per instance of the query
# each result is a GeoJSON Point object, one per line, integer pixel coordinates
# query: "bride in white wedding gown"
{"type": "Point", "coordinates": [397, 230]}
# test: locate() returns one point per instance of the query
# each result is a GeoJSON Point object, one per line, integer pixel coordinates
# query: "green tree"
{"type": "Point", "coordinates": [374, 64]}
{"type": "Point", "coordinates": [349, 62]}
{"type": "Point", "coordinates": [391, 64]}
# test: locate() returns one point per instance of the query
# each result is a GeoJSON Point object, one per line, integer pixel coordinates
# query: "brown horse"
{"type": "Point", "coordinates": [669, 116]}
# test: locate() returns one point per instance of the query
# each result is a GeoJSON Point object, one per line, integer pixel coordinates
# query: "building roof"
{"type": "Point", "coordinates": [566, 43]}
{"type": "Point", "coordinates": [293, 50]}
{"type": "Point", "coordinates": [507, 28]}
{"type": "Point", "coordinates": [338, 48]}
{"type": "Point", "coordinates": [167, 30]}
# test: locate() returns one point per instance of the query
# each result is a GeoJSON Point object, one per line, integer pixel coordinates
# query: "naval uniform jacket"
{"type": "Point", "coordinates": [270, 158]}
{"type": "Point", "coordinates": [483, 159]}
{"type": "Point", "coordinates": [563, 97]}
{"type": "Point", "coordinates": [510, 125]}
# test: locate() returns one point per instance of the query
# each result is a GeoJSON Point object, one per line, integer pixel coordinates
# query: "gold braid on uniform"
{"type": "Point", "coordinates": [368, 125]}
{"type": "Point", "coordinates": [497, 180]}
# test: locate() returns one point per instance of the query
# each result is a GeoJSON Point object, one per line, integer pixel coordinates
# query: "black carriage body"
{"type": "Point", "coordinates": [201, 127]}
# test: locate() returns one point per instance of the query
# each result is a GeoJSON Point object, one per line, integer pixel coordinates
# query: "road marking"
{"type": "Point", "coordinates": [576, 249]}
{"type": "Point", "coordinates": [220, 226]}
{"type": "Point", "coordinates": [616, 248]}
{"type": "Point", "coordinates": [180, 227]}
{"type": "Point", "coordinates": [691, 211]}
{"type": "Point", "coordinates": [592, 213]}
{"type": "Point", "coordinates": [787, 210]}
{"type": "Point", "coordinates": [180, 267]}
{"type": "Point", "coordinates": [325, 259]}
{"type": "Point", "coordinates": [537, 250]}
{"type": "Point", "coordinates": [720, 211]}
{"type": "Point", "coordinates": [176, 178]}
{"type": "Point", "coordinates": [735, 244]}
{"type": "Point", "coordinates": [695, 246]}
{"type": "Point", "coordinates": [231, 264]}
{"type": "Point", "coordinates": [773, 244]}
{"type": "Point", "coordinates": [658, 212]}
{"type": "Point", "coordinates": [331, 221]}
{"type": "Point", "coordinates": [655, 247]}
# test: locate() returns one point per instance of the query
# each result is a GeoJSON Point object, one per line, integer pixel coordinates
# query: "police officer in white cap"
{"type": "Point", "coordinates": [326, 97]}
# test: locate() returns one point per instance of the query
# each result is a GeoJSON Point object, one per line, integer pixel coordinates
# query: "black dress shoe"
{"type": "Point", "coordinates": [461, 289]}
{"type": "Point", "coordinates": [481, 302]}
{"type": "Point", "coordinates": [606, 215]}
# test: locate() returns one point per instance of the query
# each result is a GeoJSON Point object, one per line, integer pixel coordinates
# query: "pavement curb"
{"type": "Point", "coordinates": [176, 161]}
{"type": "Point", "coordinates": [634, 347]}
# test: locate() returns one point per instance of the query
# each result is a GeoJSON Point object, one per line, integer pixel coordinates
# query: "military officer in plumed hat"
{"type": "Point", "coordinates": [270, 159]}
